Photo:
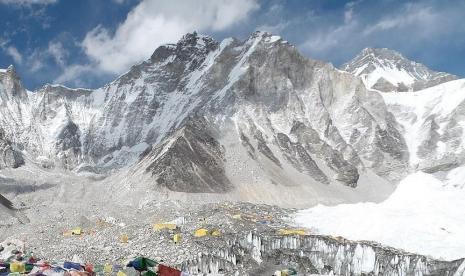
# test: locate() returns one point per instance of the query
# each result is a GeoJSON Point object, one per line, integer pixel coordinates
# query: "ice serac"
{"type": "Point", "coordinates": [317, 255]}
{"type": "Point", "coordinates": [388, 71]}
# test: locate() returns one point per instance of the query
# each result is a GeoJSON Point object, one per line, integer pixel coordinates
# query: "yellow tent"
{"type": "Point", "coordinates": [124, 238]}
{"type": "Point", "coordinates": [120, 273]}
{"type": "Point", "coordinates": [107, 268]}
{"type": "Point", "coordinates": [177, 238]}
{"type": "Point", "coordinates": [17, 267]}
{"type": "Point", "coordinates": [76, 231]}
{"type": "Point", "coordinates": [202, 232]}
{"type": "Point", "coordinates": [299, 232]}
{"type": "Point", "coordinates": [216, 233]}
{"type": "Point", "coordinates": [161, 226]}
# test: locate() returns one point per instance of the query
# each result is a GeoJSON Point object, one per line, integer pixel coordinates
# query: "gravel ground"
{"type": "Point", "coordinates": [249, 243]}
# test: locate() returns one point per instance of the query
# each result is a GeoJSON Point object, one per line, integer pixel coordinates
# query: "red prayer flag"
{"type": "Point", "coordinates": [164, 270]}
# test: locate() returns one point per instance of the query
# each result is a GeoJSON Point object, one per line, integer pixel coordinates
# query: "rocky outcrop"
{"type": "Point", "coordinates": [346, 170]}
{"type": "Point", "coordinates": [384, 85]}
{"type": "Point", "coordinates": [190, 161]}
{"type": "Point", "coordinates": [12, 89]}
{"type": "Point", "coordinates": [430, 121]}
{"type": "Point", "coordinates": [9, 157]}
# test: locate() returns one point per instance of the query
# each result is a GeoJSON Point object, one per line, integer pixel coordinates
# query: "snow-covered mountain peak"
{"type": "Point", "coordinates": [387, 70]}
{"type": "Point", "coordinates": [10, 71]}
{"type": "Point", "coordinates": [265, 37]}
{"type": "Point", "coordinates": [383, 53]}
{"type": "Point", "coordinates": [196, 40]}
{"type": "Point", "coordinates": [190, 44]}
{"type": "Point", "coordinates": [11, 84]}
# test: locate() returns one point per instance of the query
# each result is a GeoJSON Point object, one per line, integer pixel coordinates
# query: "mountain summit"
{"type": "Point", "coordinates": [388, 71]}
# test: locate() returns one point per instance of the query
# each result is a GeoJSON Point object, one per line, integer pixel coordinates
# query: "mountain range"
{"type": "Point", "coordinates": [254, 119]}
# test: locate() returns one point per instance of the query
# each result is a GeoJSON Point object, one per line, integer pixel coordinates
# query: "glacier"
{"type": "Point", "coordinates": [421, 216]}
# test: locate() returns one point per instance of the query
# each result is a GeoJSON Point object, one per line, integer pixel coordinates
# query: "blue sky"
{"type": "Point", "coordinates": [87, 43]}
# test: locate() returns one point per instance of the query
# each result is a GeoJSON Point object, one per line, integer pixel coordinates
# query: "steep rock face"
{"type": "Point", "coordinates": [281, 89]}
{"type": "Point", "coordinates": [14, 107]}
{"type": "Point", "coordinates": [12, 89]}
{"type": "Point", "coordinates": [9, 157]}
{"type": "Point", "coordinates": [148, 102]}
{"type": "Point", "coordinates": [430, 119]}
{"type": "Point", "coordinates": [285, 111]}
{"type": "Point", "coordinates": [46, 123]}
{"type": "Point", "coordinates": [432, 124]}
{"type": "Point", "coordinates": [388, 71]}
{"type": "Point", "coordinates": [59, 116]}
{"type": "Point", "coordinates": [191, 161]}
{"type": "Point", "coordinates": [346, 169]}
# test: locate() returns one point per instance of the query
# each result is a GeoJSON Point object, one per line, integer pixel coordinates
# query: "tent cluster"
{"type": "Point", "coordinates": [26, 264]}
{"type": "Point", "coordinates": [174, 228]}
{"type": "Point", "coordinates": [202, 232]}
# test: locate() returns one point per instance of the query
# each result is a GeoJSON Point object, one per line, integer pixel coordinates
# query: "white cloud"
{"type": "Point", "coordinates": [405, 28]}
{"type": "Point", "coordinates": [57, 52]}
{"type": "Point", "coordinates": [327, 39]}
{"type": "Point", "coordinates": [412, 14]}
{"type": "Point", "coordinates": [27, 2]}
{"type": "Point", "coordinates": [72, 74]}
{"type": "Point", "coordinates": [155, 22]}
{"type": "Point", "coordinates": [274, 24]}
{"type": "Point", "coordinates": [14, 53]}
{"type": "Point", "coordinates": [274, 29]}
{"type": "Point", "coordinates": [40, 57]}
{"type": "Point", "coordinates": [349, 10]}
{"type": "Point", "coordinates": [3, 42]}
{"type": "Point", "coordinates": [35, 65]}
